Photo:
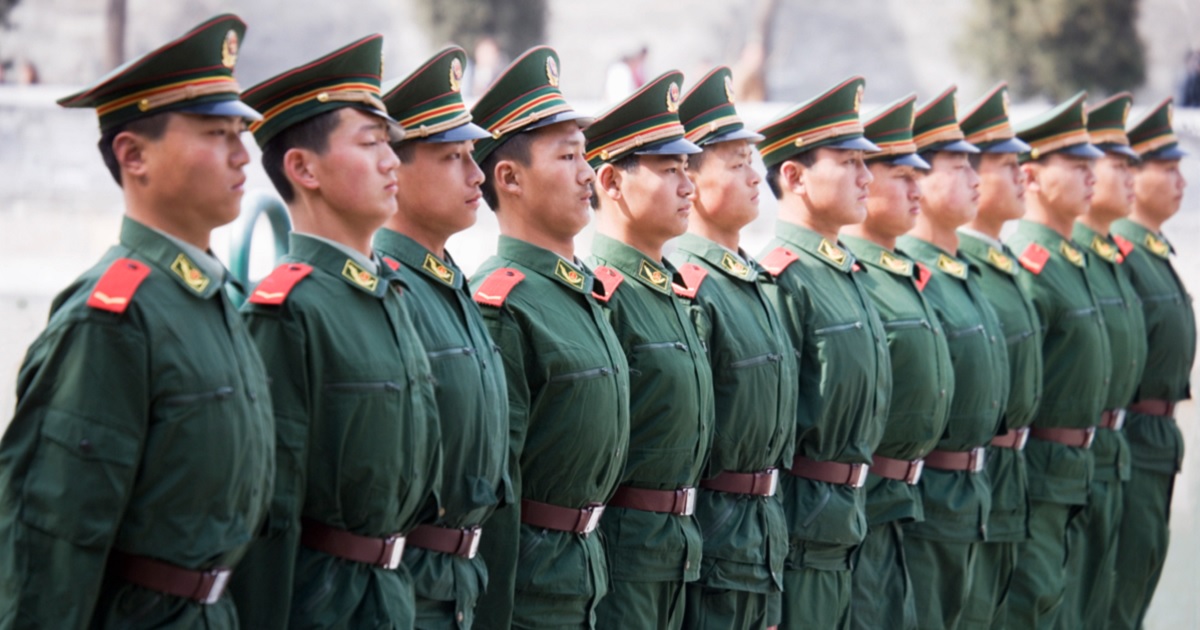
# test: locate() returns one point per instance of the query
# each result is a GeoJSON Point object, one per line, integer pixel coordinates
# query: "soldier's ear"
{"type": "Point", "coordinates": [608, 181]}
{"type": "Point", "coordinates": [129, 149]}
{"type": "Point", "coordinates": [300, 167]}
{"type": "Point", "coordinates": [791, 177]}
{"type": "Point", "coordinates": [508, 177]}
{"type": "Point", "coordinates": [1030, 171]}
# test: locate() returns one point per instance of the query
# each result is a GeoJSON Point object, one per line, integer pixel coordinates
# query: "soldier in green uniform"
{"type": "Point", "coordinates": [643, 200]}
{"type": "Point", "coordinates": [356, 422]}
{"type": "Point", "coordinates": [1075, 351]}
{"type": "Point", "coordinates": [922, 376]}
{"type": "Point", "coordinates": [1154, 439]}
{"type": "Point", "coordinates": [568, 380]}
{"type": "Point", "coordinates": [1092, 537]}
{"type": "Point", "coordinates": [1001, 199]}
{"type": "Point", "coordinates": [138, 464]}
{"type": "Point", "coordinates": [754, 373]}
{"type": "Point", "coordinates": [814, 158]}
{"type": "Point", "coordinates": [438, 196]}
{"type": "Point", "coordinates": [955, 490]}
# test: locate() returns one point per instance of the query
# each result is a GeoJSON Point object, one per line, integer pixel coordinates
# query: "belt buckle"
{"type": "Point", "coordinates": [858, 475]}
{"type": "Point", "coordinates": [220, 579]}
{"type": "Point", "coordinates": [978, 459]}
{"type": "Point", "coordinates": [1022, 438]}
{"type": "Point", "coordinates": [689, 501]}
{"type": "Point", "coordinates": [594, 512]}
{"type": "Point", "coordinates": [1091, 436]}
{"type": "Point", "coordinates": [773, 483]}
{"type": "Point", "coordinates": [393, 551]}
{"type": "Point", "coordinates": [915, 467]}
{"type": "Point", "coordinates": [473, 534]}
{"type": "Point", "coordinates": [1119, 421]}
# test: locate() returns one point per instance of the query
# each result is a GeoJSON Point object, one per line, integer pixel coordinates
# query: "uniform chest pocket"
{"type": "Point", "coordinates": [958, 333]}
{"type": "Point", "coordinates": [839, 328]}
{"type": "Point", "coordinates": [80, 478]}
{"type": "Point", "coordinates": [581, 375]}
{"type": "Point", "coordinates": [762, 359]}
{"type": "Point", "coordinates": [906, 324]}
{"type": "Point", "coordinates": [450, 353]}
{"type": "Point", "coordinates": [183, 400]}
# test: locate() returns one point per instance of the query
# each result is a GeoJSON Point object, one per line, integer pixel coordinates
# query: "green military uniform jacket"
{"type": "Point", "coordinates": [472, 404]}
{"type": "Point", "coordinates": [357, 439]}
{"type": "Point", "coordinates": [1076, 357]}
{"type": "Point", "coordinates": [670, 414]}
{"type": "Point", "coordinates": [997, 275]}
{"type": "Point", "coordinates": [568, 393]}
{"type": "Point", "coordinates": [845, 378]}
{"type": "Point", "coordinates": [957, 503]}
{"type": "Point", "coordinates": [922, 376]}
{"type": "Point", "coordinates": [1126, 324]}
{"type": "Point", "coordinates": [146, 431]}
{"type": "Point", "coordinates": [754, 380]}
{"type": "Point", "coordinates": [1171, 333]}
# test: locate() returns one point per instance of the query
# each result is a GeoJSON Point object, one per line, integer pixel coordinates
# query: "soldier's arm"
{"type": "Point", "coordinates": [502, 534]}
{"type": "Point", "coordinates": [262, 582]}
{"type": "Point", "coordinates": [68, 463]}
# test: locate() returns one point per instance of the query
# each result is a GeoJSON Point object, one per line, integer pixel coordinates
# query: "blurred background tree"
{"type": "Point", "coordinates": [1054, 48]}
{"type": "Point", "coordinates": [516, 25]}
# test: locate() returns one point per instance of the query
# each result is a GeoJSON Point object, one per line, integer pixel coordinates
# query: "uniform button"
{"type": "Point", "coordinates": [85, 445]}
{"type": "Point", "coordinates": [687, 564]}
{"type": "Point", "coordinates": [995, 404]}
{"type": "Point", "coordinates": [441, 511]}
{"type": "Point", "coordinates": [459, 616]}
{"type": "Point", "coordinates": [942, 394]}
{"type": "Point", "coordinates": [252, 395]}
{"type": "Point", "coordinates": [1106, 380]}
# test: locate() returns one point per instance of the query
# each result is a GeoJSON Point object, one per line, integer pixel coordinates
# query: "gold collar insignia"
{"type": "Point", "coordinates": [1074, 256]}
{"type": "Point", "coordinates": [569, 275]}
{"type": "Point", "coordinates": [1000, 261]}
{"type": "Point", "coordinates": [895, 264]}
{"type": "Point", "coordinates": [952, 266]}
{"type": "Point", "coordinates": [832, 252]}
{"type": "Point", "coordinates": [734, 266]}
{"type": "Point", "coordinates": [1105, 249]}
{"type": "Point", "coordinates": [191, 274]}
{"type": "Point", "coordinates": [656, 278]}
{"type": "Point", "coordinates": [1158, 246]}
{"type": "Point", "coordinates": [439, 270]}
{"type": "Point", "coordinates": [355, 273]}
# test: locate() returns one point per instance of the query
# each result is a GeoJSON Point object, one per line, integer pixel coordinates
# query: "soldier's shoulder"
{"type": "Point", "coordinates": [495, 283]}
{"type": "Point", "coordinates": [275, 289]}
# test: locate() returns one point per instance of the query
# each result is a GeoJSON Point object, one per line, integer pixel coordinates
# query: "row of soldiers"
{"type": "Point", "coordinates": [891, 409]}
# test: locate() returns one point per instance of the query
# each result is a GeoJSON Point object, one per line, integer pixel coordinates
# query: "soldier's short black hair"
{"type": "Point", "coordinates": [312, 134]}
{"type": "Point", "coordinates": [151, 127]}
{"type": "Point", "coordinates": [807, 159]}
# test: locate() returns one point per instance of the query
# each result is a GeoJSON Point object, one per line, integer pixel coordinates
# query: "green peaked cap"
{"type": "Point", "coordinates": [428, 103]}
{"type": "Point", "coordinates": [828, 120]}
{"type": "Point", "coordinates": [1106, 125]}
{"type": "Point", "coordinates": [987, 126]}
{"type": "Point", "coordinates": [346, 77]}
{"type": "Point", "coordinates": [1063, 129]}
{"type": "Point", "coordinates": [1153, 137]}
{"type": "Point", "coordinates": [523, 98]}
{"type": "Point", "coordinates": [192, 74]}
{"type": "Point", "coordinates": [708, 114]}
{"type": "Point", "coordinates": [645, 123]}
{"type": "Point", "coordinates": [935, 127]}
{"type": "Point", "coordinates": [891, 129]}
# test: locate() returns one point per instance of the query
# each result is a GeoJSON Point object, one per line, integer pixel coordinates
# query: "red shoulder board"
{"type": "Point", "coordinates": [610, 279]}
{"type": "Point", "coordinates": [392, 263]}
{"type": "Point", "coordinates": [855, 267]}
{"type": "Point", "coordinates": [693, 276]}
{"type": "Point", "coordinates": [778, 260]}
{"type": "Point", "coordinates": [118, 284]}
{"type": "Point", "coordinates": [1124, 246]}
{"type": "Point", "coordinates": [1034, 258]}
{"type": "Point", "coordinates": [496, 287]}
{"type": "Point", "coordinates": [274, 289]}
{"type": "Point", "coordinates": [923, 276]}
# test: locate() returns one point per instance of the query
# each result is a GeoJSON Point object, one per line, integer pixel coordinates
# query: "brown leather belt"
{"type": "Point", "coordinates": [681, 502]}
{"type": "Point", "coordinates": [897, 469]}
{"type": "Point", "coordinates": [762, 483]}
{"type": "Point", "coordinates": [1112, 419]}
{"type": "Point", "coordinates": [1163, 408]}
{"type": "Point", "coordinates": [971, 461]}
{"type": "Point", "coordinates": [1012, 438]}
{"type": "Point", "coordinates": [1077, 438]}
{"type": "Point", "coordinates": [461, 542]}
{"type": "Point", "coordinates": [853, 475]}
{"type": "Point", "coordinates": [379, 552]}
{"type": "Point", "coordinates": [548, 516]}
{"type": "Point", "coordinates": [200, 586]}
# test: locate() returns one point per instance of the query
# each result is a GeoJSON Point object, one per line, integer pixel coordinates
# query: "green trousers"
{"type": "Point", "coordinates": [987, 603]}
{"type": "Point", "coordinates": [1142, 546]}
{"type": "Point", "coordinates": [941, 573]}
{"type": "Point", "coordinates": [881, 589]}
{"type": "Point", "coordinates": [544, 612]}
{"type": "Point", "coordinates": [816, 587]}
{"type": "Point", "coordinates": [724, 609]}
{"type": "Point", "coordinates": [1040, 578]}
{"type": "Point", "coordinates": [648, 605]}
{"type": "Point", "coordinates": [1092, 558]}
